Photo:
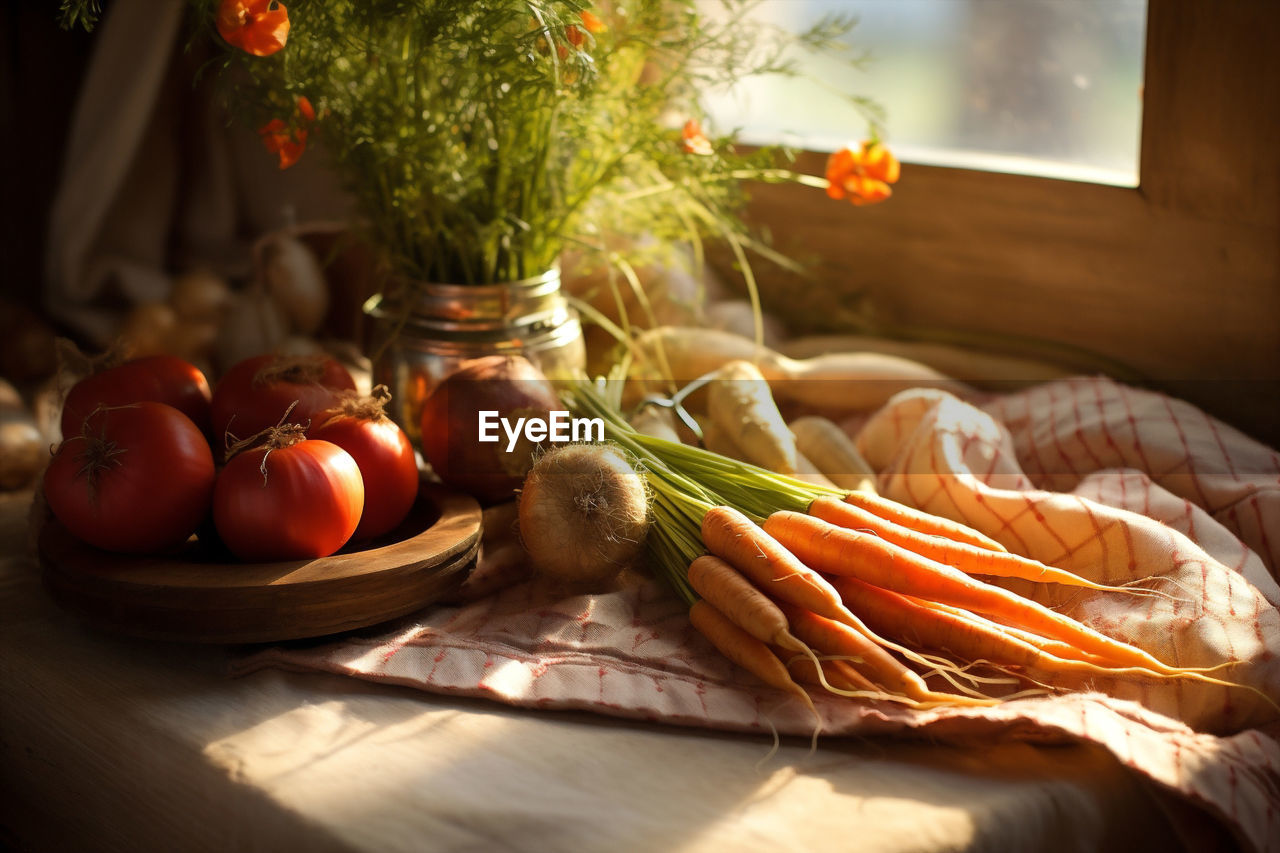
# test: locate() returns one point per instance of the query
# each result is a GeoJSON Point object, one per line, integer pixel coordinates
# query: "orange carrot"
{"type": "Point", "coordinates": [728, 591]}
{"type": "Point", "coordinates": [924, 625]}
{"type": "Point", "coordinates": [970, 559]}
{"type": "Point", "coordinates": [837, 551]}
{"type": "Point", "coordinates": [741, 542]}
{"type": "Point", "coordinates": [1044, 644]}
{"type": "Point", "coordinates": [745, 650]}
{"type": "Point", "coordinates": [977, 639]}
{"type": "Point", "coordinates": [724, 588]}
{"type": "Point", "coordinates": [773, 569]}
{"type": "Point", "coordinates": [922, 521]}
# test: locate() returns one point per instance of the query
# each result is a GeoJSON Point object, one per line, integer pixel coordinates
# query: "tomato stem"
{"type": "Point", "coordinates": [98, 453]}
{"type": "Point", "coordinates": [281, 435]}
{"type": "Point", "coordinates": [299, 370]}
{"type": "Point", "coordinates": [97, 456]}
{"type": "Point", "coordinates": [371, 407]}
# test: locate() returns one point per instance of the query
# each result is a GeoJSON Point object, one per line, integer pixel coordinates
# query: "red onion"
{"type": "Point", "coordinates": [508, 388]}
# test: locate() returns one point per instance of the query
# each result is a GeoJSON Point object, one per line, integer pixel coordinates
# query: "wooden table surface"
{"type": "Point", "coordinates": [109, 743]}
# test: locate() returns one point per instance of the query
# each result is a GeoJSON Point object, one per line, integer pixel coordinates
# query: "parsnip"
{"type": "Point", "coordinates": [740, 403]}
{"type": "Point", "coordinates": [656, 421]}
{"type": "Point", "coordinates": [715, 439]}
{"type": "Point", "coordinates": [810, 473]}
{"type": "Point", "coordinates": [835, 382]}
{"type": "Point", "coordinates": [1002, 372]}
{"type": "Point", "coordinates": [833, 452]}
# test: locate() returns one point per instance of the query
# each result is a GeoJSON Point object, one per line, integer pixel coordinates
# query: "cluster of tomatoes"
{"type": "Point", "coordinates": [281, 461]}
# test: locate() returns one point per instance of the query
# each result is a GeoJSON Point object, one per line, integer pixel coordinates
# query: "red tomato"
{"type": "Point", "coordinates": [387, 464]}
{"type": "Point", "coordinates": [306, 504]}
{"type": "Point", "coordinates": [135, 478]}
{"type": "Point", "coordinates": [159, 378]}
{"type": "Point", "coordinates": [255, 393]}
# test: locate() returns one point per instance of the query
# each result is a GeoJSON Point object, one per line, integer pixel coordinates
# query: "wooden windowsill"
{"type": "Point", "coordinates": [1178, 278]}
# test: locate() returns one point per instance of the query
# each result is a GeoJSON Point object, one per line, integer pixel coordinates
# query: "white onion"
{"type": "Point", "coordinates": [583, 516]}
{"type": "Point", "coordinates": [149, 329]}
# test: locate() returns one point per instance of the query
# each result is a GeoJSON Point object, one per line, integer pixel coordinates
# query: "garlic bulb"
{"type": "Point", "coordinates": [253, 326]}
{"type": "Point", "coordinates": [292, 276]}
{"type": "Point", "coordinates": [23, 453]}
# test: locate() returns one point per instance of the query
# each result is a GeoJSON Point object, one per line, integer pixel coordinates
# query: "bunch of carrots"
{"type": "Point", "coordinates": [855, 594]}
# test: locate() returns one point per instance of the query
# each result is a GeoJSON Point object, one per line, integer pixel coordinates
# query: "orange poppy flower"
{"type": "Point", "coordinates": [594, 25]}
{"type": "Point", "coordinates": [862, 176]}
{"type": "Point", "coordinates": [288, 140]}
{"type": "Point", "coordinates": [258, 27]}
{"type": "Point", "coordinates": [590, 22]}
{"type": "Point", "coordinates": [694, 140]}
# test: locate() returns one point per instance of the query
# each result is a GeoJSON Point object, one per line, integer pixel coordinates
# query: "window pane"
{"type": "Point", "coordinates": [1049, 87]}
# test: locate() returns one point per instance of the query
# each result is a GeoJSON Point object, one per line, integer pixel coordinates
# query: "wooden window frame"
{"type": "Point", "coordinates": [1178, 278]}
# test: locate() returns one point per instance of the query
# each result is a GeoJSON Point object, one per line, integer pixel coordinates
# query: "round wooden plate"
{"type": "Point", "coordinates": [195, 596]}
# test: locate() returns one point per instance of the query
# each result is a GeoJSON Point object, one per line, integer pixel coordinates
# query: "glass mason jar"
{"type": "Point", "coordinates": [423, 331]}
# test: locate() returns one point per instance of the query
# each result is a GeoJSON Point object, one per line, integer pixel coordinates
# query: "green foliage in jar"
{"type": "Point", "coordinates": [481, 138]}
